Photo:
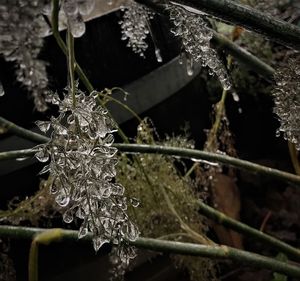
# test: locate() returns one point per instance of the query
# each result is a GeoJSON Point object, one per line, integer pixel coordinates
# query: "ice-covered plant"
{"type": "Point", "coordinates": [22, 28]}
{"type": "Point", "coordinates": [135, 26]}
{"type": "Point", "coordinates": [82, 168]}
{"type": "Point", "coordinates": [195, 35]}
{"type": "Point", "coordinates": [74, 11]}
{"type": "Point", "coordinates": [287, 100]}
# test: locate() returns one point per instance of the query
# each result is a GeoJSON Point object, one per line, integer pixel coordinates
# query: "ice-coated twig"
{"type": "Point", "coordinates": [172, 247]}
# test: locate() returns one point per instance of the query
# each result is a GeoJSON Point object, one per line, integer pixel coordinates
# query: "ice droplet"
{"type": "Point", "coordinates": [1, 90]}
{"type": "Point", "coordinates": [77, 25]}
{"type": "Point", "coordinates": [235, 97]}
{"type": "Point", "coordinates": [189, 67]}
{"type": "Point", "coordinates": [44, 126]}
{"type": "Point", "coordinates": [158, 55]}
{"type": "Point", "coordinates": [86, 7]}
{"type": "Point", "coordinates": [67, 216]}
{"type": "Point", "coordinates": [62, 199]}
{"type": "Point", "coordinates": [42, 156]}
{"type": "Point", "coordinates": [134, 202]}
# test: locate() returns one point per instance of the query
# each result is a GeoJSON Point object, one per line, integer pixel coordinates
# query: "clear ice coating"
{"type": "Point", "coordinates": [22, 28]}
{"type": "Point", "coordinates": [135, 27]}
{"type": "Point", "coordinates": [196, 36]}
{"type": "Point", "coordinates": [82, 164]}
{"type": "Point", "coordinates": [286, 95]}
{"type": "Point", "coordinates": [74, 10]}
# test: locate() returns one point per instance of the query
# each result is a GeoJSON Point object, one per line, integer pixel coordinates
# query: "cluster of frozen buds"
{"type": "Point", "coordinates": [286, 95]}
{"type": "Point", "coordinates": [196, 36]}
{"type": "Point", "coordinates": [22, 28]}
{"type": "Point", "coordinates": [74, 10]}
{"type": "Point", "coordinates": [135, 26]}
{"type": "Point", "coordinates": [82, 171]}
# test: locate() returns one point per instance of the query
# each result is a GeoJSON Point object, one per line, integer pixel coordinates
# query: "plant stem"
{"type": "Point", "coordinates": [71, 60]}
{"type": "Point", "coordinates": [63, 47]}
{"type": "Point", "coordinates": [242, 55]}
{"type": "Point", "coordinates": [213, 157]}
{"type": "Point", "coordinates": [294, 157]}
{"type": "Point", "coordinates": [21, 132]}
{"type": "Point", "coordinates": [242, 228]}
{"type": "Point", "coordinates": [193, 234]}
{"type": "Point", "coordinates": [237, 14]}
{"type": "Point", "coordinates": [214, 252]}
{"type": "Point", "coordinates": [192, 154]}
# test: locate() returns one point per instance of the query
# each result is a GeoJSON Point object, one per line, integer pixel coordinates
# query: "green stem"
{"type": "Point", "coordinates": [71, 60]}
{"type": "Point", "coordinates": [242, 228]}
{"type": "Point", "coordinates": [63, 47]}
{"type": "Point", "coordinates": [242, 55]}
{"type": "Point", "coordinates": [213, 157]}
{"type": "Point", "coordinates": [214, 252]}
{"type": "Point", "coordinates": [192, 154]}
{"type": "Point", "coordinates": [21, 132]}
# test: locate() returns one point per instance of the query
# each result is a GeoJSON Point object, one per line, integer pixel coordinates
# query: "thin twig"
{"type": "Point", "coordinates": [172, 247]}
{"type": "Point", "coordinates": [21, 132]}
{"type": "Point", "coordinates": [192, 154]}
{"type": "Point", "coordinates": [242, 228]}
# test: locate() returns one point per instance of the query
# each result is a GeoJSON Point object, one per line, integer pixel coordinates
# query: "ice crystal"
{"type": "Point", "coordinates": [196, 36]}
{"type": "Point", "coordinates": [22, 28]}
{"type": "Point", "coordinates": [135, 27]}
{"type": "Point", "coordinates": [74, 11]}
{"type": "Point", "coordinates": [82, 164]}
{"type": "Point", "coordinates": [287, 100]}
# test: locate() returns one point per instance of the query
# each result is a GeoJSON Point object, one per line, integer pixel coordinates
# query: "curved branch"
{"type": "Point", "coordinates": [214, 252]}
{"type": "Point", "coordinates": [254, 20]}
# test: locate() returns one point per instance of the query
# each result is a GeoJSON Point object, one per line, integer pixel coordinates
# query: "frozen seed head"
{"type": "Point", "coordinates": [196, 36]}
{"type": "Point", "coordinates": [82, 167]}
{"type": "Point", "coordinates": [134, 26]}
{"type": "Point", "coordinates": [22, 28]}
{"type": "Point", "coordinates": [286, 95]}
